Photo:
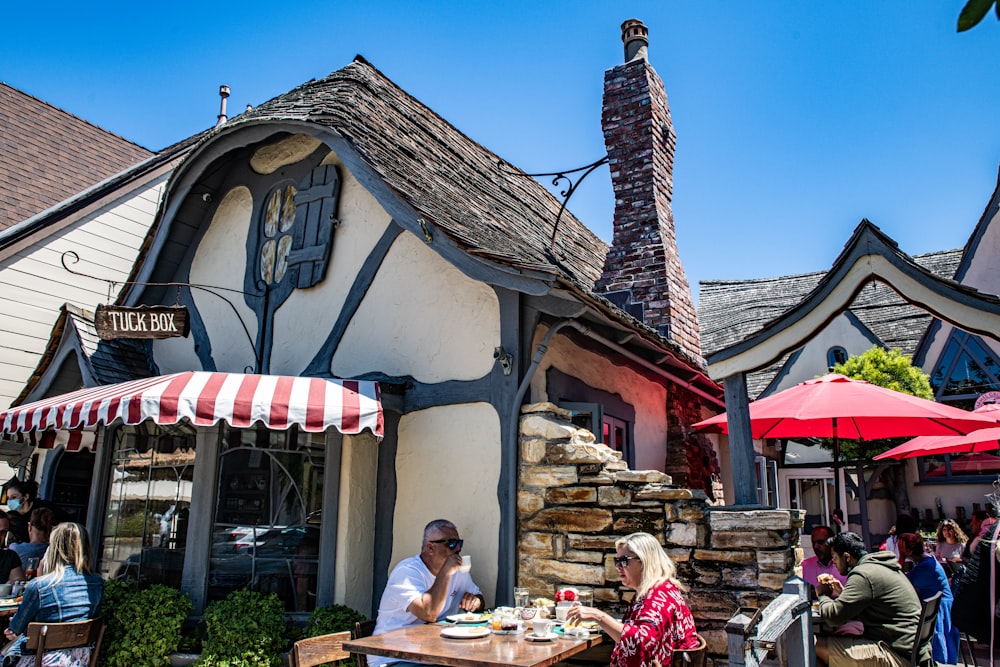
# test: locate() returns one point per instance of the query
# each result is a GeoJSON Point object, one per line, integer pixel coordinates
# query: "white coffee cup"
{"type": "Point", "coordinates": [466, 564]}
{"type": "Point", "coordinates": [541, 627]}
{"type": "Point", "coordinates": [5, 590]}
{"type": "Point", "coordinates": [561, 609]}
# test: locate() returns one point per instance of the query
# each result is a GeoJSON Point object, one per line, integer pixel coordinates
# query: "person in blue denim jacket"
{"type": "Point", "coordinates": [68, 590]}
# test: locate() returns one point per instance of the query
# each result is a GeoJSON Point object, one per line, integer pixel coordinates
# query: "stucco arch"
{"type": "Point", "coordinates": [870, 255]}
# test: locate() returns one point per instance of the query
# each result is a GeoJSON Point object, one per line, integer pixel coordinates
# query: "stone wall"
{"type": "Point", "coordinates": [576, 497]}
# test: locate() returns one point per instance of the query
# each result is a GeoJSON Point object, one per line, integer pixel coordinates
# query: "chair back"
{"type": "Point", "coordinates": [362, 629]}
{"type": "Point", "coordinates": [925, 628]}
{"type": "Point", "coordinates": [690, 657]}
{"type": "Point", "coordinates": [320, 650]}
{"type": "Point", "coordinates": [44, 637]}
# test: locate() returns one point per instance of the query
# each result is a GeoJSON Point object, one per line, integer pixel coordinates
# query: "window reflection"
{"type": "Point", "coordinates": [149, 498]}
{"type": "Point", "coordinates": [266, 530]}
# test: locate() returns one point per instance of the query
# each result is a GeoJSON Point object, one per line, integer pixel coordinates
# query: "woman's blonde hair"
{"type": "Point", "coordinates": [657, 566]}
{"type": "Point", "coordinates": [959, 534]}
{"type": "Point", "coordinates": [69, 545]}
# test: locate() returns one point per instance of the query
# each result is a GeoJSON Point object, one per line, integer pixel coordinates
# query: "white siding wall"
{"type": "Point", "coordinates": [35, 285]}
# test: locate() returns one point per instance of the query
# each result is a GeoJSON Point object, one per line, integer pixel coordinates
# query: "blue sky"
{"type": "Point", "coordinates": [794, 119]}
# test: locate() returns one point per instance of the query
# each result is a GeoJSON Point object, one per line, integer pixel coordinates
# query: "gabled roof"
{"type": "Point", "coordinates": [101, 361]}
{"type": "Point", "coordinates": [491, 210]}
{"type": "Point", "coordinates": [487, 207]}
{"type": "Point", "coordinates": [47, 155]}
{"type": "Point", "coordinates": [731, 310]}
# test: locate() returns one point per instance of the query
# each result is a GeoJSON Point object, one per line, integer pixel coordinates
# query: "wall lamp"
{"type": "Point", "coordinates": [505, 358]}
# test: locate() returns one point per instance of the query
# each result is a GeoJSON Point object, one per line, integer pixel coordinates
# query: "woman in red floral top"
{"type": "Point", "coordinates": [658, 621]}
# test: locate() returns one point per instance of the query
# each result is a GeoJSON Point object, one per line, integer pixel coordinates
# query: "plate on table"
{"type": "Point", "coordinates": [465, 632]}
{"type": "Point", "coordinates": [532, 637]}
{"type": "Point", "coordinates": [518, 631]}
{"type": "Point", "coordinates": [467, 618]}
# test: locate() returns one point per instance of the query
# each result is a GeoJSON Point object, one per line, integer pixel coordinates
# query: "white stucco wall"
{"type": "Point", "coordinates": [219, 261]}
{"type": "Point", "coordinates": [362, 223]}
{"type": "Point", "coordinates": [448, 467]}
{"type": "Point", "coordinates": [356, 522]}
{"type": "Point", "coordinates": [647, 397]}
{"type": "Point", "coordinates": [421, 317]}
{"type": "Point", "coordinates": [812, 361]}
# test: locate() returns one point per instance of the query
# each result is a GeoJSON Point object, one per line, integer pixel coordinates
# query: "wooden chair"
{"type": "Point", "coordinates": [692, 657]}
{"type": "Point", "coordinates": [926, 626]}
{"type": "Point", "coordinates": [362, 629]}
{"type": "Point", "coordinates": [319, 650]}
{"type": "Point", "coordinates": [44, 637]}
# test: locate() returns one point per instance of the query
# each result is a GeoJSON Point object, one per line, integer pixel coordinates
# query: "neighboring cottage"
{"type": "Point", "coordinates": [962, 367]}
{"type": "Point", "coordinates": [343, 230]}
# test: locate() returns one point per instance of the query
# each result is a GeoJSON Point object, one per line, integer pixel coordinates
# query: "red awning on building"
{"type": "Point", "coordinates": [203, 398]}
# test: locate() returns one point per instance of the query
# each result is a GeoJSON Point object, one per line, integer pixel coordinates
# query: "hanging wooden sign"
{"type": "Point", "coordinates": [142, 322]}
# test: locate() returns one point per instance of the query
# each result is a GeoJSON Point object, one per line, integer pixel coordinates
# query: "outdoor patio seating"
{"type": "Point", "coordinates": [320, 650]}
{"type": "Point", "coordinates": [925, 629]}
{"type": "Point", "coordinates": [692, 657]}
{"type": "Point", "coordinates": [44, 637]}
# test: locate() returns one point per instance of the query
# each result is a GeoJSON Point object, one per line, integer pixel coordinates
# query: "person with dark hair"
{"type": "Point", "coordinates": [929, 578]}
{"type": "Point", "coordinates": [951, 541]}
{"type": "Point", "coordinates": [878, 594]}
{"type": "Point", "coordinates": [22, 498]}
{"type": "Point", "coordinates": [973, 612]}
{"type": "Point", "coordinates": [822, 562]}
{"type": "Point", "coordinates": [10, 562]}
{"type": "Point", "coordinates": [980, 523]}
{"type": "Point", "coordinates": [43, 520]}
{"type": "Point", "coordinates": [905, 523]}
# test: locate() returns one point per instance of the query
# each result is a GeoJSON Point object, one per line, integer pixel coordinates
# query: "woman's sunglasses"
{"type": "Point", "coordinates": [622, 561]}
{"type": "Point", "coordinates": [452, 542]}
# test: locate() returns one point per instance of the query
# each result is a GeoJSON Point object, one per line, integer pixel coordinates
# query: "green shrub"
{"type": "Point", "coordinates": [245, 629]}
{"type": "Point", "coordinates": [326, 620]}
{"type": "Point", "coordinates": [144, 626]}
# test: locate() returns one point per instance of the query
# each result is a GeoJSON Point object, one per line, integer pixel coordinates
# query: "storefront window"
{"type": "Point", "coordinates": [149, 497]}
{"type": "Point", "coordinates": [266, 530]}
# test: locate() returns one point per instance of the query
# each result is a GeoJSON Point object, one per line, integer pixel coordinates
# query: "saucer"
{"type": "Point", "coordinates": [465, 632]}
{"type": "Point", "coordinates": [532, 637]}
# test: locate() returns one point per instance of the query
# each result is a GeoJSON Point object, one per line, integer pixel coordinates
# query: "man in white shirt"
{"type": "Point", "coordinates": [427, 587]}
{"type": "Point", "coordinates": [822, 562]}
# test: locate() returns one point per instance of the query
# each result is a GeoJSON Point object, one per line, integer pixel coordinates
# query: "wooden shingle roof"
{"type": "Point", "coordinates": [731, 310]}
{"type": "Point", "coordinates": [48, 155]}
{"type": "Point", "coordinates": [451, 180]}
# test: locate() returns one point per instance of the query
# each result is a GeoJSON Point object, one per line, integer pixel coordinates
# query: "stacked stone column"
{"type": "Point", "coordinates": [576, 497]}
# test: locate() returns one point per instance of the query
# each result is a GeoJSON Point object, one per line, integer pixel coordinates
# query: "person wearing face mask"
{"type": "Point", "coordinates": [929, 578]}
{"type": "Point", "coordinates": [22, 498]}
{"type": "Point", "coordinates": [878, 594]}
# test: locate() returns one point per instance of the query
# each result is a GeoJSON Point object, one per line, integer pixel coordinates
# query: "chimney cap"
{"type": "Point", "coordinates": [635, 37]}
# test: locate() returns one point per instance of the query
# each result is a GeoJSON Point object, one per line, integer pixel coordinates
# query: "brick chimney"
{"type": "Point", "coordinates": [642, 271]}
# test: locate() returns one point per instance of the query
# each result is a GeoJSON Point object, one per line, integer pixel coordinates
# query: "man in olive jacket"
{"type": "Point", "coordinates": [878, 594]}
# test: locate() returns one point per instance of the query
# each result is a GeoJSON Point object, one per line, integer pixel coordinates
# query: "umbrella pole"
{"type": "Point", "coordinates": [863, 503]}
{"type": "Point", "coordinates": [836, 473]}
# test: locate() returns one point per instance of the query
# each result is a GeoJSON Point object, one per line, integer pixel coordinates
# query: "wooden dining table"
{"type": "Point", "coordinates": [424, 643]}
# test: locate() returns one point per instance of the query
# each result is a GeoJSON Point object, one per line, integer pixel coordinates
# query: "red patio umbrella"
{"type": "Point", "coordinates": [835, 406]}
{"type": "Point", "coordinates": [984, 440]}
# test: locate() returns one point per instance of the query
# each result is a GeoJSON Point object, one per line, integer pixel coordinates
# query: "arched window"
{"type": "Point", "coordinates": [835, 355]}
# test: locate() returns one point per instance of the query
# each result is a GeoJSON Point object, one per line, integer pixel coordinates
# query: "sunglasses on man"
{"type": "Point", "coordinates": [451, 542]}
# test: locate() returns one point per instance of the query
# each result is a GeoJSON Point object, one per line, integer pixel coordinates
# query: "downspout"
{"type": "Point", "coordinates": [593, 335]}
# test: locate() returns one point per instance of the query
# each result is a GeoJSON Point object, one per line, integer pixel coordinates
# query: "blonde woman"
{"type": "Point", "coordinates": [950, 542]}
{"type": "Point", "coordinates": [658, 621]}
{"type": "Point", "coordinates": [67, 590]}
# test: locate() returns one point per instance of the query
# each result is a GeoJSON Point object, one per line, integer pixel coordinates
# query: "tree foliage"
{"type": "Point", "coordinates": [973, 13]}
{"type": "Point", "coordinates": [885, 368]}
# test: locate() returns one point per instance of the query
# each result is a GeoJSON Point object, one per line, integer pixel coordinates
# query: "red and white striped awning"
{"type": "Point", "coordinates": [203, 398]}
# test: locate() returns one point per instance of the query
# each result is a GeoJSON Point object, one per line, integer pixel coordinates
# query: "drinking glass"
{"type": "Point", "coordinates": [521, 596]}
{"type": "Point", "coordinates": [586, 598]}
{"type": "Point", "coordinates": [31, 571]}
